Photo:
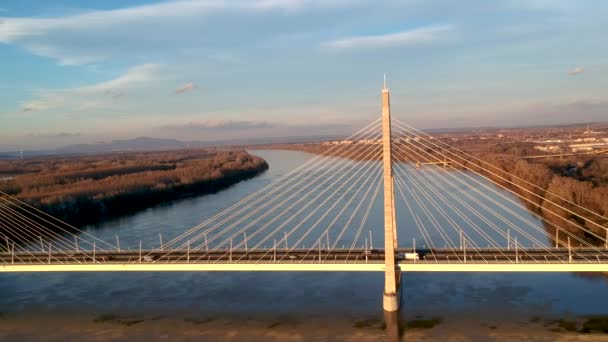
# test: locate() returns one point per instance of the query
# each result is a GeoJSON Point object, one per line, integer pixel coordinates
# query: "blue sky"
{"type": "Point", "coordinates": [85, 71]}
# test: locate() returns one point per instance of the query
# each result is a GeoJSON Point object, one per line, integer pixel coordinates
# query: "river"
{"type": "Point", "coordinates": [282, 306]}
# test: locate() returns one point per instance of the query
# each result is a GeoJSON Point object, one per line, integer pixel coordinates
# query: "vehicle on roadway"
{"type": "Point", "coordinates": [411, 256]}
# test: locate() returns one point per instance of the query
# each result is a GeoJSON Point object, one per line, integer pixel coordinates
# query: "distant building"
{"type": "Point", "coordinates": [587, 147]}
{"type": "Point", "coordinates": [550, 148]}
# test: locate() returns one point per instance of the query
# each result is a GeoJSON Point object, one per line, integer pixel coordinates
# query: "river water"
{"type": "Point", "coordinates": [285, 306]}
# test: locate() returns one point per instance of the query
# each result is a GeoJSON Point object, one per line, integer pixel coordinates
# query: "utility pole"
{"type": "Point", "coordinates": [569, 251]}
{"type": "Point", "coordinates": [516, 251]}
{"type": "Point", "coordinates": [464, 250]}
{"type": "Point", "coordinates": [319, 251]}
{"type": "Point", "coordinates": [461, 239]}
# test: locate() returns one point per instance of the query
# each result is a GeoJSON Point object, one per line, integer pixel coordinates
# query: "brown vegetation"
{"type": "Point", "coordinates": [91, 188]}
{"type": "Point", "coordinates": [549, 189]}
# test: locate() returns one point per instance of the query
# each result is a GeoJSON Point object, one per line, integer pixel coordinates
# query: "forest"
{"type": "Point", "coordinates": [551, 183]}
{"type": "Point", "coordinates": [91, 188]}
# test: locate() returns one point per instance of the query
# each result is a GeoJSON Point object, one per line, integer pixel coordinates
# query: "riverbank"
{"type": "Point", "coordinates": [205, 328]}
{"type": "Point", "coordinates": [92, 188]}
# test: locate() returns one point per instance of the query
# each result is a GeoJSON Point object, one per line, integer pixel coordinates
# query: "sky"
{"type": "Point", "coordinates": [75, 71]}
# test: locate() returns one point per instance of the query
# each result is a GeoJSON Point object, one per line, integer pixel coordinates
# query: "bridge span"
{"type": "Point", "coordinates": [339, 260]}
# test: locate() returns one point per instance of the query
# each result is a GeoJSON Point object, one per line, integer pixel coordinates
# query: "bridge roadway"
{"type": "Point", "coordinates": [445, 260]}
{"type": "Point", "coordinates": [430, 260]}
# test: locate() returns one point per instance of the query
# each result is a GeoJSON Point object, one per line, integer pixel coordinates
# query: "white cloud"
{"type": "Point", "coordinates": [417, 36]}
{"type": "Point", "coordinates": [220, 125]}
{"type": "Point", "coordinates": [185, 88]}
{"type": "Point", "coordinates": [53, 135]}
{"type": "Point", "coordinates": [576, 71]}
{"type": "Point", "coordinates": [93, 96]}
{"type": "Point", "coordinates": [542, 5]}
{"type": "Point", "coordinates": [36, 105]}
{"type": "Point", "coordinates": [97, 35]}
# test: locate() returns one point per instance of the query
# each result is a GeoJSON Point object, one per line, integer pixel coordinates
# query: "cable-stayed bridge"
{"type": "Point", "coordinates": [452, 211]}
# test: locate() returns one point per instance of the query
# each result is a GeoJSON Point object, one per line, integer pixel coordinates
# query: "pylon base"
{"type": "Point", "coordinates": [391, 301]}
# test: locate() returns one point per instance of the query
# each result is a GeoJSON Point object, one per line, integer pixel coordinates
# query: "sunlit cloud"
{"type": "Point", "coordinates": [93, 96]}
{"type": "Point", "coordinates": [60, 135]}
{"type": "Point", "coordinates": [417, 36]}
{"type": "Point", "coordinates": [220, 125]}
{"type": "Point", "coordinates": [35, 105]}
{"type": "Point", "coordinates": [224, 130]}
{"type": "Point", "coordinates": [186, 88]}
{"type": "Point", "coordinates": [576, 71]}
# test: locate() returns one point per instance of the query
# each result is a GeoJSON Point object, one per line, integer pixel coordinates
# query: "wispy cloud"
{"type": "Point", "coordinates": [186, 87]}
{"type": "Point", "coordinates": [220, 125]}
{"type": "Point", "coordinates": [91, 36]}
{"type": "Point", "coordinates": [416, 36]}
{"type": "Point", "coordinates": [576, 71]}
{"type": "Point", "coordinates": [60, 135]}
{"type": "Point", "coordinates": [95, 95]}
{"type": "Point", "coordinates": [541, 5]}
{"type": "Point", "coordinates": [222, 130]}
{"type": "Point", "coordinates": [35, 105]}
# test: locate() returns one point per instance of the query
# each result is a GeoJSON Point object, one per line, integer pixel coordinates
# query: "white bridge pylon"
{"type": "Point", "coordinates": [465, 213]}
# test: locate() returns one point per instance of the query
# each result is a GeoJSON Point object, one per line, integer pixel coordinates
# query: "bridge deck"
{"type": "Point", "coordinates": [437, 260]}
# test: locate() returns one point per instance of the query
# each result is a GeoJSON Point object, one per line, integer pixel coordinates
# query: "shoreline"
{"type": "Point", "coordinates": [207, 328]}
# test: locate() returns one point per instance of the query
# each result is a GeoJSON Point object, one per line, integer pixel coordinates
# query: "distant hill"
{"type": "Point", "coordinates": [157, 144]}
{"type": "Point", "coordinates": [137, 144]}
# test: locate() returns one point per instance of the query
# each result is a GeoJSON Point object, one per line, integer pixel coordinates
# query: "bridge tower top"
{"type": "Point", "coordinates": [385, 89]}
